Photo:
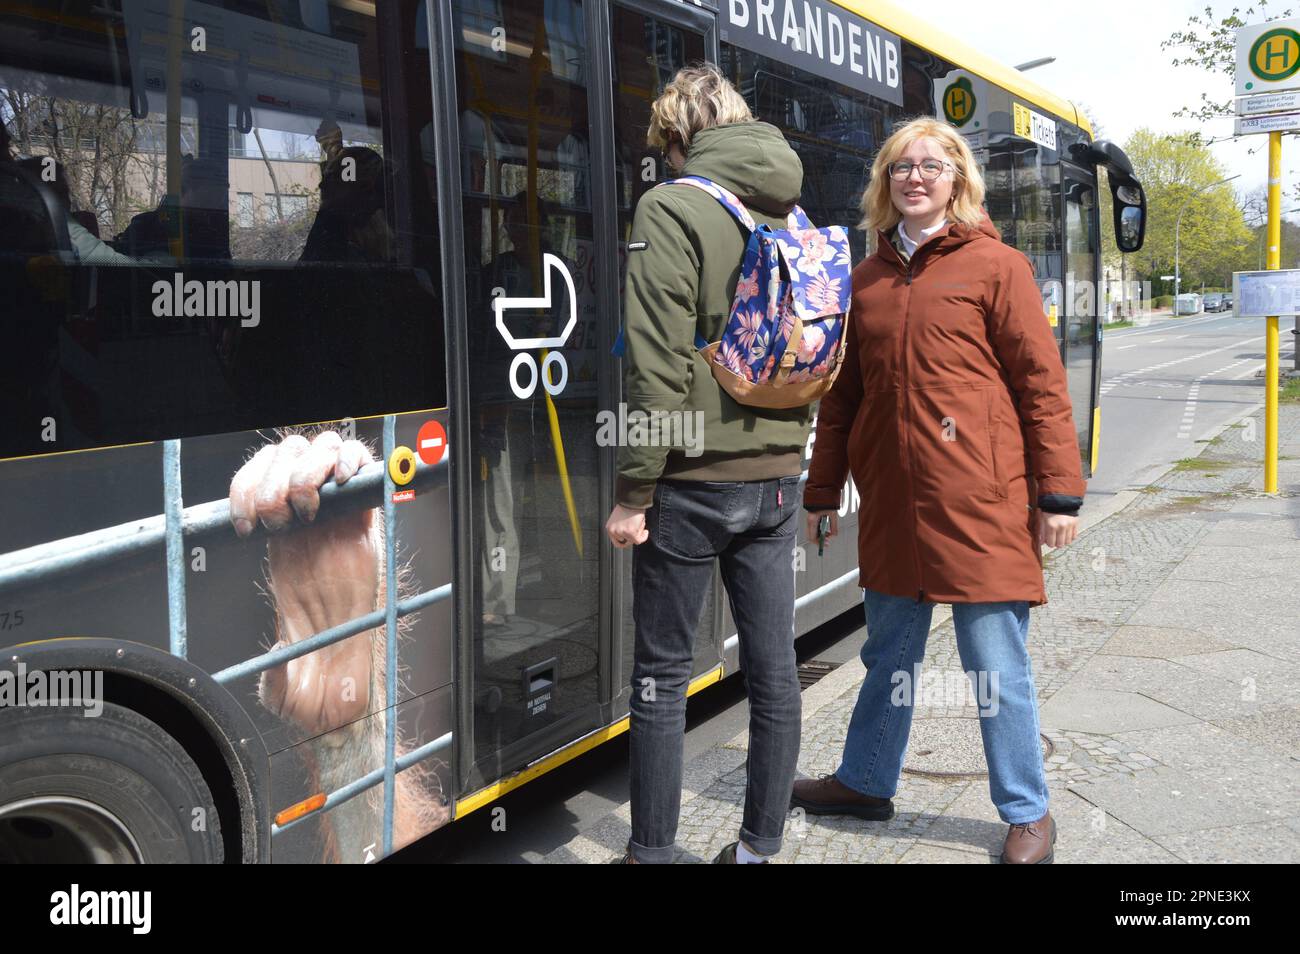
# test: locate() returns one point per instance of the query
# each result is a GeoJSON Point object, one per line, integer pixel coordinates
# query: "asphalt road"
{"type": "Point", "coordinates": [1168, 386]}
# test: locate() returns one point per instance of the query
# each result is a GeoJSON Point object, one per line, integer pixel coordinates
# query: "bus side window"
{"type": "Point", "coordinates": [229, 250]}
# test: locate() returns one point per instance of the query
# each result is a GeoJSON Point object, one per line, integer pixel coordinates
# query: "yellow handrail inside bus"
{"type": "Point", "coordinates": [536, 64]}
{"type": "Point", "coordinates": [560, 463]}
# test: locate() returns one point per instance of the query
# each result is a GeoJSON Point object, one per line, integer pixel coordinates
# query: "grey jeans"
{"type": "Point", "coordinates": [750, 528]}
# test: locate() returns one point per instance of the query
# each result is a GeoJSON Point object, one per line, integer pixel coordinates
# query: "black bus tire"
{"type": "Point", "coordinates": [112, 787]}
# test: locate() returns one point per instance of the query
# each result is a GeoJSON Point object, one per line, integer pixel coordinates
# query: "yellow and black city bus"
{"type": "Point", "coordinates": [240, 224]}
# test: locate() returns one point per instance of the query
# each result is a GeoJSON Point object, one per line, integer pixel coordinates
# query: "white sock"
{"type": "Point", "coordinates": [746, 857]}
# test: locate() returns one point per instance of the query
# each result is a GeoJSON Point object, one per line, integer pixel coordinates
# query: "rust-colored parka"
{"type": "Point", "coordinates": [951, 411]}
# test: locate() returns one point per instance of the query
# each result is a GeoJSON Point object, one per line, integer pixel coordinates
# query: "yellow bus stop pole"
{"type": "Point", "coordinates": [1271, 345]}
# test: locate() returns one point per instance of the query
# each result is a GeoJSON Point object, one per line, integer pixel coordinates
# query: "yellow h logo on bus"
{"type": "Point", "coordinates": [1275, 55]}
{"type": "Point", "coordinates": [959, 102]}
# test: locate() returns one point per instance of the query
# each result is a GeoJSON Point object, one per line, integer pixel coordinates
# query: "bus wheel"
{"type": "Point", "coordinates": [107, 788]}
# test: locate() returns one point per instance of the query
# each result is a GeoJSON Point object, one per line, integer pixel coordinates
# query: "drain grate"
{"type": "Point", "coordinates": [813, 671]}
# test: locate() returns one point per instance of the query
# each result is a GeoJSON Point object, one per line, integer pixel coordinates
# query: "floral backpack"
{"type": "Point", "coordinates": [782, 344]}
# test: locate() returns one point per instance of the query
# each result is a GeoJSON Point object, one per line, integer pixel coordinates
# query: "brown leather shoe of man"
{"type": "Point", "coordinates": [828, 796]}
{"type": "Point", "coordinates": [1031, 843]}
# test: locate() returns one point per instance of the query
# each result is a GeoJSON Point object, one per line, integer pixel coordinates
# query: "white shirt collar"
{"type": "Point", "coordinates": [925, 234]}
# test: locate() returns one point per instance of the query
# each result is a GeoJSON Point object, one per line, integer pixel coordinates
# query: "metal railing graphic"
{"type": "Point", "coordinates": [178, 525]}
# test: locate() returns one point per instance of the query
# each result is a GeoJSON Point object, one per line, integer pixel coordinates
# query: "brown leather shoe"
{"type": "Point", "coordinates": [1031, 843]}
{"type": "Point", "coordinates": [828, 796]}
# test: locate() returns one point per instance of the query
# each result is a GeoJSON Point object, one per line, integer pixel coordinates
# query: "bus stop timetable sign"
{"type": "Point", "coordinates": [1267, 123]}
{"type": "Point", "coordinates": [1266, 294]}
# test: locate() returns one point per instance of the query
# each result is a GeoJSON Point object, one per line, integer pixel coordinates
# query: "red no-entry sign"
{"type": "Point", "coordinates": [431, 442]}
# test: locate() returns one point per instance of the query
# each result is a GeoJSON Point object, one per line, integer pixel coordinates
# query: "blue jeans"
{"type": "Point", "coordinates": [991, 643]}
{"type": "Point", "coordinates": [750, 528]}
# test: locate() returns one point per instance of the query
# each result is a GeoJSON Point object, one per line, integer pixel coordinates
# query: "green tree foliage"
{"type": "Point", "coordinates": [1254, 207]}
{"type": "Point", "coordinates": [1214, 234]}
{"type": "Point", "coordinates": [1254, 256]}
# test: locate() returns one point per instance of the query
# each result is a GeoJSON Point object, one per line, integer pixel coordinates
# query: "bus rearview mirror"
{"type": "Point", "coordinates": [1130, 209]}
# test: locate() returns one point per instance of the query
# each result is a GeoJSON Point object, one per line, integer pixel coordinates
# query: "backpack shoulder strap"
{"type": "Point", "coordinates": [725, 198]}
{"type": "Point", "coordinates": [798, 219]}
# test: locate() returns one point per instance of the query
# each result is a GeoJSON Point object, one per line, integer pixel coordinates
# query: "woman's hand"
{"type": "Point", "coordinates": [1056, 529]}
{"type": "Point", "coordinates": [814, 516]}
{"type": "Point", "coordinates": [626, 527]}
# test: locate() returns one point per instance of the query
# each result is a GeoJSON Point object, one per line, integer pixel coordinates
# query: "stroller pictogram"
{"type": "Point", "coordinates": [553, 359]}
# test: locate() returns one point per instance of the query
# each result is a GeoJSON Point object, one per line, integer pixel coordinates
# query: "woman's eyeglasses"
{"type": "Point", "coordinates": [931, 169]}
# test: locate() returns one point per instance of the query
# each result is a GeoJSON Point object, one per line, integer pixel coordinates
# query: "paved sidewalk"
{"type": "Point", "coordinates": [1167, 663]}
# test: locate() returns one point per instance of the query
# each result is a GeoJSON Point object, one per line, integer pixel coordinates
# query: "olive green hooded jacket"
{"type": "Point", "coordinates": [684, 256]}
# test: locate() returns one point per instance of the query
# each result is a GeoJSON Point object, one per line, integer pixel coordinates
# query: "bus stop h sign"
{"type": "Point", "coordinates": [1268, 57]}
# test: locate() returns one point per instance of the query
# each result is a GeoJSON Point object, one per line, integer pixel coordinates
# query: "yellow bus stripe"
{"type": "Point", "coordinates": [485, 796]}
{"type": "Point", "coordinates": [1096, 437]}
{"type": "Point", "coordinates": [917, 30]}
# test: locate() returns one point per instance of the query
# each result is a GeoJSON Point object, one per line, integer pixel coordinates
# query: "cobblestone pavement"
{"type": "Point", "coordinates": [1167, 663]}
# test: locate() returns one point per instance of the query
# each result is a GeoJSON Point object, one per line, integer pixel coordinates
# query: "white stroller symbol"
{"type": "Point", "coordinates": [501, 304]}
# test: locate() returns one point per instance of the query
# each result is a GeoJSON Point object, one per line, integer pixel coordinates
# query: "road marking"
{"type": "Point", "coordinates": [1182, 323]}
{"type": "Point", "coordinates": [1231, 422]}
{"type": "Point", "coordinates": [1193, 393]}
{"type": "Point", "coordinates": [1127, 376]}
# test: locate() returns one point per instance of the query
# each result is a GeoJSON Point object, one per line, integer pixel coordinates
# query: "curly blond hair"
{"type": "Point", "coordinates": [697, 98]}
{"type": "Point", "coordinates": [966, 204]}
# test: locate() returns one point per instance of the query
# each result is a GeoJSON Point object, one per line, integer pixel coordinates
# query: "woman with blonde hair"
{"type": "Point", "coordinates": [734, 500]}
{"type": "Point", "coordinates": [952, 414]}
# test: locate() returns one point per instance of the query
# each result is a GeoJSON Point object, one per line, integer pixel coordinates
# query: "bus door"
{"type": "Point", "coordinates": [650, 41]}
{"type": "Point", "coordinates": [1080, 328]}
{"type": "Point", "coordinates": [532, 578]}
